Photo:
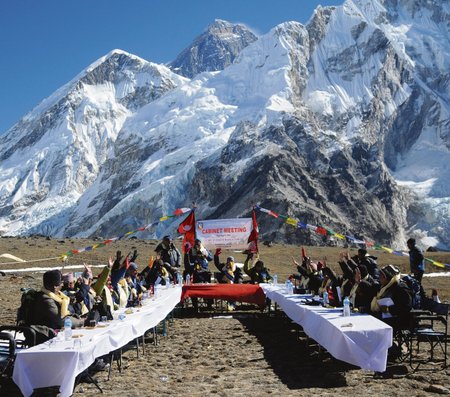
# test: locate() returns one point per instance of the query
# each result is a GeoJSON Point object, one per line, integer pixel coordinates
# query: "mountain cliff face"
{"type": "Point", "coordinates": [343, 122]}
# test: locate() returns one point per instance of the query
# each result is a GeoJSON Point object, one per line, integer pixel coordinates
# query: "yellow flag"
{"type": "Point", "coordinates": [387, 249]}
{"type": "Point", "coordinates": [291, 221]}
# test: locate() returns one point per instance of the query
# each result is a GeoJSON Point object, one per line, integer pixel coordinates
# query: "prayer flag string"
{"type": "Point", "coordinates": [328, 232]}
{"type": "Point", "coordinates": [177, 212]}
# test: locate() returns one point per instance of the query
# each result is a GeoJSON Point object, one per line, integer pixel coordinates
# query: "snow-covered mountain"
{"type": "Point", "coordinates": [342, 122]}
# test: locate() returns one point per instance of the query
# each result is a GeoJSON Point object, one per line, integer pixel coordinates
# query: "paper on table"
{"type": "Point", "coordinates": [385, 302]}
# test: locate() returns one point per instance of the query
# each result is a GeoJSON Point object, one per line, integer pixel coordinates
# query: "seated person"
{"type": "Point", "coordinates": [198, 254]}
{"type": "Point", "coordinates": [309, 277]}
{"type": "Point", "coordinates": [369, 261]}
{"type": "Point", "coordinates": [51, 306]}
{"type": "Point", "coordinates": [348, 268]}
{"type": "Point", "coordinates": [134, 284]}
{"type": "Point", "coordinates": [119, 288]}
{"type": "Point", "coordinates": [101, 286]}
{"type": "Point", "coordinates": [364, 290]}
{"type": "Point", "coordinates": [229, 272]}
{"type": "Point", "coordinates": [158, 274]}
{"type": "Point", "coordinates": [196, 263]}
{"type": "Point", "coordinates": [258, 273]}
{"type": "Point", "coordinates": [69, 289]}
{"type": "Point", "coordinates": [396, 310]}
{"type": "Point", "coordinates": [331, 283]}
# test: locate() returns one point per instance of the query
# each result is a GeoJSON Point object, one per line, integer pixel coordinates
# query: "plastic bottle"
{"type": "Point", "coordinates": [67, 328]}
{"type": "Point", "coordinates": [291, 287]}
{"type": "Point", "coordinates": [325, 298]}
{"type": "Point", "coordinates": [179, 279]}
{"type": "Point", "coordinates": [346, 312]}
{"type": "Point", "coordinates": [188, 279]}
{"type": "Point", "coordinates": [275, 279]}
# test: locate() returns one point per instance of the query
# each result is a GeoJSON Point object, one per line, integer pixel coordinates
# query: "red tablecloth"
{"type": "Point", "coordinates": [250, 293]}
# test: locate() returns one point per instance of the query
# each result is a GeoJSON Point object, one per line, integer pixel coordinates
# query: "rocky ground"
{"type": "Point", "coordinates": [238, 354]}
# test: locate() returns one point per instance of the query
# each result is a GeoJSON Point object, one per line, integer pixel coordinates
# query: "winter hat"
{"type": "Point", "coordinates": [68, 278]}
{"type": "Point", "coordinates": [133, 266]}
{"type": "Point", "coordinates": [230, 259]}
{"type": "Point", "coordinates": [52, 278]}
{"type": "Point", "coordinates": [390, 271]}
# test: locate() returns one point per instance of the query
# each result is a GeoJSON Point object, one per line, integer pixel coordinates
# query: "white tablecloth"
{"type": "Point", "coordinates": [58, 364]}
{"type": "Point", "coordinates": [360, 339]}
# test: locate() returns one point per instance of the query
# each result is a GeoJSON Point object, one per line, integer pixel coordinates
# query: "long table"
{"type": "Point", "coordinates": [360, 339]}
{"type": "Point", "coordinates": [58, 363]}
{"type": "Point", "coordinates": [249, 293]}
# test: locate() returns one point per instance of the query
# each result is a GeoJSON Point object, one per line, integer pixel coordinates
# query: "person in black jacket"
{"type": "Point", "coordinates": [393, 302]}
{"type": "Point", "coordinates": [51, 306]}
{"type": "Point", "coordinates": [369, 261]}
{"type": "Point", "coordinates": [258, 273]}
{"type": "Point", "coordinates": [168, 252]}
{"type": "Point", "coordinates": [416, 263]}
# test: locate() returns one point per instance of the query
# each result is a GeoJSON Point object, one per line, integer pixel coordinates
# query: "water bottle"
{"type": "Point", "coordinates": [346, 312]}
{"type": "Point", "coordinates": [286, 286]}
{"type": "Point", "coordinates": [167, 280]}
{"type": "Point", "coordinates": [291, 287]}
{"type": "Point", "coordinates": [275, 279]}
{"type": "Point", "coordinates": [179, 279]}
{"type": "Point", "coordinates": [67, 328]}
{"type": "Point", "coordinates": [325, 298]}
{"type": "Point", "coordinates": [188, 279]}
{"type": "Point", "coordinates": [156, 291]}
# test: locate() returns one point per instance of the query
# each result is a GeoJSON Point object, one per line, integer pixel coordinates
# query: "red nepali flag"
{"type": "Point", "coordinates": [187, 227]}
{"type": "Point", "coordinates": [253, 238]}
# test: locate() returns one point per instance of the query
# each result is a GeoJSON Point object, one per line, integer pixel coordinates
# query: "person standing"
{"type": "Point", "coordinates": [169, 253]}
{"type": "Point", "coordinates": [416, 260]}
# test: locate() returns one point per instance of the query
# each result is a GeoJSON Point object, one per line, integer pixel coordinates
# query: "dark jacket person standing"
{"type": "Point", "coordinates": [416, 262]}
{"type": "Point", "coordinates": [168, 252]}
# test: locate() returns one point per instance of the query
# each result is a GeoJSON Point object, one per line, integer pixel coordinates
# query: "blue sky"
{"type": "Point", "coordinates": [45, 43]}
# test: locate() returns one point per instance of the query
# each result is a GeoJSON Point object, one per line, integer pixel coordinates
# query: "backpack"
{"type": "Point", "coordinates": [29, 296]}
{"type": "Point", "coordinates": [414, 288]}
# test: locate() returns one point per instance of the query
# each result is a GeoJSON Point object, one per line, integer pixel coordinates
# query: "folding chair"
{"type": "Point", "coordinates": [24, 336]}
{"type": "Point", "coordinates": [7, 354]}
{"type": "Point", "coordinates": [431, 329]}
{"type": "Point", "coordinates": [13, 338]}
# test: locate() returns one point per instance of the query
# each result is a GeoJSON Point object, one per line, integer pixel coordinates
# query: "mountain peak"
{"type": "Point", "coordinates": [215, 49]}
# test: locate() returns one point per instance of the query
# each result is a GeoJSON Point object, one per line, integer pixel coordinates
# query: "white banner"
{"type": "Point", "coordinates": [224, 233]}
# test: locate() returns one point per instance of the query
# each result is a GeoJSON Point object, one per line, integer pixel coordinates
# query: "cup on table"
{"type": "Point", "coordinates": [77, 344]}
